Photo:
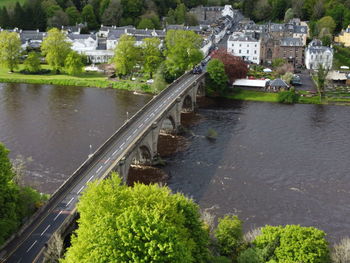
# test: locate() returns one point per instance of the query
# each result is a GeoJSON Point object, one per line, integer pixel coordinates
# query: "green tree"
{"type": "Point", "coordinates": [39, 19]}
{"type": "Point", "coordinates": [183, 51]}
{"type": "Point", "coordinates": [73, 15]}
{"type": "Point", "coordinates": [4, 18]}
{"type": "Point", "coordinates": [229, 233]}
{"type": "Point", "coordinates": [137, 224]}
{"type": "Point", "coordinates": [17, 17]}
{"type": "Point", "coordinates": [321, 76]}
{"type": "Point", "coordinates": [251, 255]}
{"type": "Point", "coordinates": [294, 243]}
{"type": "Point", "coordinates": [126, 55]}
{"type": "Point", "coordinates": [145, 23]}
{"type": "Point", "coordinates": [159, 81]}
{"type": "Point", "coordinates": [10, 49]}
{"type": "Point", "coordinates": [278, 62]}
{"type": "Point", "coordinates": [89, 17]}
{"type": "Point", "coordinates": [151, 54]}
{"type": "Point", "coordinates": [288, 15]}
{"type": "Point", "coordinates": [216, 71]}
{"type": "Point", "coordinates": [113, 13]}
{"type": "Point", "coordinates": [326, 22]}
{"type": "Point", "coordinates": [180, 14]}
{"type": "Point", "coordinates": [56, 48]}
{"type": "Point", "coordinates": [32, 63]}
{"type": "Point", "coordinates": [73, 64]}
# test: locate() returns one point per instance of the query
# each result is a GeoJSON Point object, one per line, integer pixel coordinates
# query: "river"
{"type": "Point", "coordinates": [271, 163]}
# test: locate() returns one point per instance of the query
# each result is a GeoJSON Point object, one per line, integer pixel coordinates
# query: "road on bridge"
{"type": "Point", "coordinates": [27, 246]}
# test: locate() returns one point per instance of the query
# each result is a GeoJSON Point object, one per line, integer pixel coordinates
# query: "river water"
{"type": "Point", "coordinates": [270, 164]}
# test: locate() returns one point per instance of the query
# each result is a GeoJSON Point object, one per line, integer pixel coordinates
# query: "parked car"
{"type": "Point", "coordinates": [197, 70]}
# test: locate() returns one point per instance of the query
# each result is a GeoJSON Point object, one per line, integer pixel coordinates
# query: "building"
{"type": "Point", "coordinates": [316, 55]}
{"type": "Point", "coordinates": [292, 50]}
{"type": "Point", "coordinates": [344, 37]}
{"type": "Point", "coordinates": [31, 39]}
{"type": "Point", "coordinates": [244, 46]}
{"type": "Point", "coordinates": [83, 42]}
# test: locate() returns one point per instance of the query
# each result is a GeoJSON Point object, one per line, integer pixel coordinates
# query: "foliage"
{"type": "Point", "coordinates": [235, 67]}
{"type": "Point", "coordinates": [287, 77]}
{"type": "Point", "coordinates": [126, 55]}
{"type": "Point", "coordinates": [32, 63]}
{"type": "Point", "coordinates": [146, 23]}
{"type": "Point", "coordinates": [10, 49]}
{"type": "Point", "coordinates": [73, 14]}
{"type": "Point", "coordinates": [183, 51]}
{"type": "Point", "coordinates": [326, 22]}
{"type": "Point", "coordinates": [288, 96]}
{"type": "Point", "coordinates": [229, 235]}
{"type": "Point", "coordinates": [113, 14]}
{"type": "Point", "coordinates": [56, 49]}
{"type": "Point", "coordinates": [321, 79]}
{"type": "Point", "coordinates": [250, 236]}
{"type": "Point", "coordinates": [89, 17]}
{"type": "Point", "coordinates": [251, 255]}
{"type": "Point", "coordinates": [55, 249]}
{"type": "Point", "coordinates": [278, 62]}
{"type": "Point", "coordinates": [73, 64]}
{"type": "Point", "coordinates": [341, 56]}
{"type": "Point", "coordinates": [212, 134]}
{"type": "Point", "coordinates": [139, 224]}
{"type": "Point", "coordinates": [341, 251]}
{"type": "Point", "coordinates": [293, 243]}
{"type": "Point", "coordinates": [159, 82]}
{"type": "Point", "coordinates": [217, 74]}
{"type": "Point", "coordinates": [151, 55]}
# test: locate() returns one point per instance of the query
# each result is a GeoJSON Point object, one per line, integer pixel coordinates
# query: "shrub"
{"type": "Point", "coordinates": [32, 63]}
{"type": "Point", "coordinates": [288, 97]}
{"type": "Point", "coordinates": [229, 235]}
{"type": "Point", "coordinates": [341, 251]}
{"type": "Point", "coordinates": [251, 235]}
{"type": "Point", "coordinates": [293, 243]}
{"type": "Point", "coordinates": [251, 255]}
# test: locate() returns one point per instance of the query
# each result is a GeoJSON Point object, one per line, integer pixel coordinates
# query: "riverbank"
{"type": "Point", "coordinates": [252, 95]}
{"type": "Point", "coordinates": [86, 79]}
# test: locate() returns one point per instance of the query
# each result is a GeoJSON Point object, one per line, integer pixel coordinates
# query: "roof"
{"type": "Point", "coordinates": [257, 83]}
{"type": "Point", "coordinates": [81, 36]}
{"type": "Point", "coordinates": [300, 29]}
{"type": "Point", "coordinates": [336, 75]}
{"type": "Point", "coordinates": [115, 34]}
{"type": "Point", "coordinates": [290, 41]}
{"type": "Point", "coordinates": [315, 47]}
{"type": "Point", "coordinates": [278, 83]}
{"type": "Point", "coordinates": [242, 38]}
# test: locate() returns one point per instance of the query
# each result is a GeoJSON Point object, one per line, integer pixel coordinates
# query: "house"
{"type": "Point", "coordinates": [316, 55]}
{"type": "Point", "coordinates": [277, 85]}
{"type": "Point", "coordinates": [255, 84]}
{"type": "Point", "coordinates": [292, 50]}
{"type": "Point", "coordinates": [31, 38]}
{"type": "Point", "coordinates": [113, 38]}
{"type": "Point", "coordinates": [344, 37]}
{"type": "Point", "coordinates": [83, 42]}
{"type": "Point", "coordinates": [244, 46]}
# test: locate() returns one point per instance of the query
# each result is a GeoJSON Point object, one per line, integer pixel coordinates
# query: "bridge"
{"type": "Point", "coordinates": [136, 142]}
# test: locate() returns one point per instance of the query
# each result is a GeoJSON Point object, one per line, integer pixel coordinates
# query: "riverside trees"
{"type": "Point", "coordinates": [10, 49]}
{"type": "Point", "coordinates": [137, 224]}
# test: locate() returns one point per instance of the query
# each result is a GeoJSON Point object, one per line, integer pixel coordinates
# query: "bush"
{"type": "Point", "coordinates": [229, 235]}
{"type": "Point", "coordinates": [293, 243]}
{"type": "Point", "coordinates": [220, 259]}
{"type": "Point", "coordinates": [341, 251]}
{"type": "Point", "coordinates": [251, 255]}
{"type": "Point", "coordinates": [32, 63]}
{"type": "Point", "coordinates": [288, 97]}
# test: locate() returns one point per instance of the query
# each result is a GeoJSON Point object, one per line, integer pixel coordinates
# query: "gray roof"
{"type": "Point", "coordinates": [27, 35]}
{"type": "Point", "coordinates": [115, 34]}
{"type": "Point", "coordinates": [175, 27]}
{"type": "Point", "coordinates": [278, 83]}
{"type": "Point", "coordinates": [290, 42]}
{"type": "Point", "coordinates": [243, 38]}
{"type": "Point", "coordinates": [300, 29]}
{"type": "Point", "coordinates": [315, 47]}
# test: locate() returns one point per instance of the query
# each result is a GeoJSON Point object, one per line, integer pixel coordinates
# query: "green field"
{"type": "Point", "coordinates": [10, 2]}
{"type": "Point", "coordinates": [87, 79]}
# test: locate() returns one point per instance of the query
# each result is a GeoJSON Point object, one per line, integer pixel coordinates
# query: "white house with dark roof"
{"type": "Point", "coordinates": [245, 46]}
{"type": "Point", "coordinates": [31, 38]}
{"type": "Point", "coordinates": [316, 55]}
{"type": "Point", "coordinates": [83, 42]}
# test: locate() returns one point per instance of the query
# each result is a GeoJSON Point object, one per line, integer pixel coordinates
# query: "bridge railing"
{"type": "Point", "coordinates": [76, 176]}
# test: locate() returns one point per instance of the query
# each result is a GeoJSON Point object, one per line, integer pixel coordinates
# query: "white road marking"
{"type": "Point", "coordinates": [90, 179]}
{"type": "Point", "coordinates": [107, 160]}
{"type": "Point", "coordinates": [134, 131]}
{"type": "Point", "coordinates": [70, 201]}
{"type": "Point", "coordinates": [45, 230]}
{"type": "Point", "coordinates": [140, 126]}
{"type": "Point", "coordinates": [147, 119]}
{"type": "Point", "coordinates": [114, 153]}
{"type": "Point", "coordinates": [122, 145]}
{"type": "Point", "coordinates": [81, 189]}
{"type": "Point", "coordinates": [57, 215]}
{"type": "Point", "coordinates": [128, 137]}
{"type": "Point", "coordinates": [31, 246]}
{"type": "Point", "coordinates": [19, 260]}
{"type": "Point", "coordinates": [99, 169]}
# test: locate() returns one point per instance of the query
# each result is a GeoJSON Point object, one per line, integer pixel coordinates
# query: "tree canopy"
{"type": "Point", "coordinates": [140, 224]}
{"type": "Point", "coordinates": [10, 49]}
{"type": "Point", "coordinates": [183, 51]}
{"type": "Point", "coordinates": [151, 54]}
{"type": "Point", "coordinates": [56, 49]}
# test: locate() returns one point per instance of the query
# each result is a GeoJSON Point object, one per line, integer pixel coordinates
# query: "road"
{"type": "Point", "coordinates": [26, 247]}
{"type": "Point", "coordinates": [306, 81]}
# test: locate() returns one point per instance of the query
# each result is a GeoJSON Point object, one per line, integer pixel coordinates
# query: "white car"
{"type": "Point", "coordinates": [150, 81]}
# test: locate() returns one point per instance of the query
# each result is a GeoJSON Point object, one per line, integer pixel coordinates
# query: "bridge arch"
{"type": "Point", "coordinates": [168, 125]}
{"type": "Point", "coordinates": [187, 104]}
{"type": "Point", "coordinates": [200, 90]}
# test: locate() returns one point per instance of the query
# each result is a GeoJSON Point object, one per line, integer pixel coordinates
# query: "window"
{"type": "Point", "coordinates": [240, 45]}
{"type": "Point", "coordinates": [255, 45]}
{"type": "Point", "coordinates": [247, 51]}
{"type": "Point", "coordinates": [254, 51]}
{"type": "Point", "coordinates": [239, 52]}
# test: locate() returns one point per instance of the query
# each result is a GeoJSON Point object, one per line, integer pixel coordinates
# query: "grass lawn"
{"type": "Point", "coordinates": [87, 79]}
{"type": "Point", "coordinates": [11, 2]}
{"type": "Point", "coordinates": [252, 95]}
{"type": "Point", "coordinates": [241, 94]}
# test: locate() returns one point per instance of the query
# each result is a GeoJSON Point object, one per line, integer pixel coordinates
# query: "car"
{"type": "Point", "coordinates": [197, 70]}
{"type": "Point", "coordinates": [150, 81]}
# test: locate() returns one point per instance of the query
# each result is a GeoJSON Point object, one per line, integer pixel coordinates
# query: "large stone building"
{"type": "Point", "coordinates": [316, 55]}
{"type": "Point", "coordinates": [292, 50]}
{"type": "Point", "coordinates": [210, 14]}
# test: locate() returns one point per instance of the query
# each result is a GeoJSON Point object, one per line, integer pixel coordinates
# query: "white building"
{"type": "Point", "coordinates": [316, 54]}
{"type": "Point", "coordinates": [83, 42]}
{"type": "Point", "coordinates": [244, 46]}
